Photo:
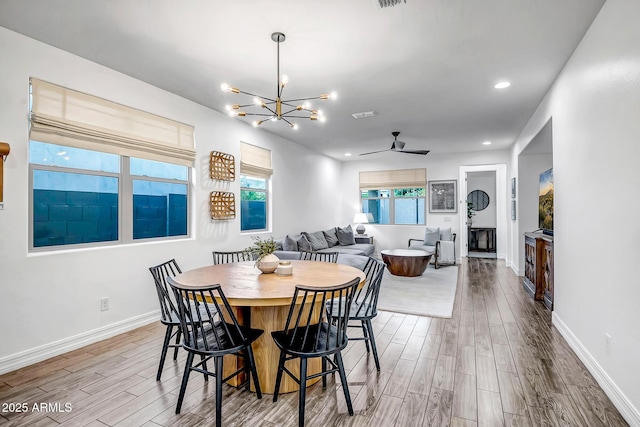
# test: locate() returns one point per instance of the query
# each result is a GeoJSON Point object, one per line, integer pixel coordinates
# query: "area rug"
{"type": "Point", "coordinates": [431, 294]}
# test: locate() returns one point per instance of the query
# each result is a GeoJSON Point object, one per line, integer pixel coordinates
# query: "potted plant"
{"type": "Point", "coordinates": [470, 213]}
{"type": "Point", "coordinates": [262, 250]}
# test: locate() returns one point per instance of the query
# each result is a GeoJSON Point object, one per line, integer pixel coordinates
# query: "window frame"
{"type": "Point", "coordinates": [392, 202]}
{"type": "Point", "coordinates": [267, 192]}
{"type": "Point", "coordinates": [125, 204]}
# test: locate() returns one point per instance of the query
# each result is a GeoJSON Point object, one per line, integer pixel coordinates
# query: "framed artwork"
{"type": "Point", "coordinates": [513, 188]}
{"type": "Point", "coordinates": [443, 196]}
{"type": "Point", "coordinates": [513, 210]}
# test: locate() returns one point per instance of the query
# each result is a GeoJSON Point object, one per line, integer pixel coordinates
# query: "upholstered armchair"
{"type": "Point", "coordinates": [441, 242]}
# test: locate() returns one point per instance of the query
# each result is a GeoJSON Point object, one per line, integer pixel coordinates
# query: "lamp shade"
{"type": "Point", "coordinates": [360, 218]}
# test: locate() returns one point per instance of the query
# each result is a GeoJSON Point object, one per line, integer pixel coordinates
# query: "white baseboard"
{"type": "Point", "coordinates": [619, 400]}
{"type": "Point", "coordinates": [56, 348]}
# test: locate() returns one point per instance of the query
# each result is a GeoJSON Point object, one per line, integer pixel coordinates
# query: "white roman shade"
{"type": "Point", "coordinates": [67, 117]}
{"type": "Point", "coordinates": [255, 161]}
{"type": "Point", "coordinates": [400, 178]}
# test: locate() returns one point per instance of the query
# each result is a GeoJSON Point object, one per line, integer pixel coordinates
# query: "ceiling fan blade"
{"type": "Point", "coordinates": [374, 152]}
{"type": "Point", "coordinates": [422, 152]}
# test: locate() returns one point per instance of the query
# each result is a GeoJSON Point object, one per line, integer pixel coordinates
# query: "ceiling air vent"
{"type": "Point", "coordinates": [363, 114]}
{"type": "Point", "coordinates": [381, 4]}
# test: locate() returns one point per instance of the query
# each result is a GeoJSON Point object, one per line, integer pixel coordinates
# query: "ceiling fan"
{"type": "Point", "coordinates": [398, 146]}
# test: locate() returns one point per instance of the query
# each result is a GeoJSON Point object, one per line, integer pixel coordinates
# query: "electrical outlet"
{"type": "Point", "coordinates": [104, 304]}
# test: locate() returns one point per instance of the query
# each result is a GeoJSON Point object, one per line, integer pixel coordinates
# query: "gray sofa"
{"type": "Point", "coordinates": [335, 239]}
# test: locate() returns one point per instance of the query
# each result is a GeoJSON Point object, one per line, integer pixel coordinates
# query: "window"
{"type": "Point", "coordinates": [395, 196]}
{"type": "Point", "coordinates": [394, 206]}
{"type": "Point", "coordinates": [103, 173]}
{"type": "Point", "coordinates": [254, 200]}
{"type": "Point", "coordinates": [255, 173]}
{"type": "Point", "coordinates": [79, 197]}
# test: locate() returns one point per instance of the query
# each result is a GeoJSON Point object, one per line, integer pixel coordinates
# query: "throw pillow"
{"type": "Point", "coordinates": [431, 236]}
{"type": "Point", "coordinates": [446, 234]}
{"type": "Point", "coordinates": [316, 240]}
{"type": "Point", "coordinates": [345, 236]}
{"type": "Point", "coordinates": [331, 237]}
{"type": "Point", "coordinates": [303, 243]}
{"type": "Point", "coordinates": [289, 244]}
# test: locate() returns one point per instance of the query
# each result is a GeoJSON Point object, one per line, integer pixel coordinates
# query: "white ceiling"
{"type": "Point", "coordinates": [427, 67]}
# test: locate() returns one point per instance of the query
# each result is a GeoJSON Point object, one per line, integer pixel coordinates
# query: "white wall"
{"type": "Point", "coordinates": [595, 105]}
{"type": "Point", "coordinates": [52, 299]}
{"type": "Point", "coordinates": [439, 167]}
{"type": "Point", "coordinates": [485, 181]}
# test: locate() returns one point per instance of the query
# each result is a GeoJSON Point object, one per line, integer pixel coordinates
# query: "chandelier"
{"type": "Point", "coordinates": [278, 108]}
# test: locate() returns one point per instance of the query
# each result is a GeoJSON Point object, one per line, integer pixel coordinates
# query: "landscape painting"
{"type": "Point", "coordinates": [545, 201]}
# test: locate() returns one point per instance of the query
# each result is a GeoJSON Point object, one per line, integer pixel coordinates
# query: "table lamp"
{"type": "Point", "coordinates": [360, 218]}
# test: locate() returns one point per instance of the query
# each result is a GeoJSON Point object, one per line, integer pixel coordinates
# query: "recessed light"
{"type": "Point", "coordinates": [502, 85]}
{"type": "Point", "coordinates": [347, 154]}
{"type": "Point", "coordinates": [486, 143]}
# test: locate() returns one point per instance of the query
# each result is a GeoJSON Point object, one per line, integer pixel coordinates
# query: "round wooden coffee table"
{"type": "Point", "coordinates": [406, 262]}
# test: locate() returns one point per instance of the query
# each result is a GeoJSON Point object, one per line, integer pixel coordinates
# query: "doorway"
{"type": "Point", "coordinates": [488, 231]}
{"type": "Point", "coordinates": [482, 214]}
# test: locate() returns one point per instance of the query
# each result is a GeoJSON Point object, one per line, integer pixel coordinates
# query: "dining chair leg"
{"type": "Point", "coordinates": [372, 338]}
{"type": "Point", "coordinates": [175, 350]}
{"type": "Point", "coordinates": [165, 348]}
{"type": "Point", "coordinates": [324, 369]}
{"type": "Point", "coordinates": [254, 372]}
{"type": "Point", "coordinates": [204, 367]}
{"type": "Point", "coordinates": [365, 335]}
{"type": "Point", "coordinates": [343, 380]}
{"type": "Point", "coordinates": [303, 390]}
{"type": "Point", "coordinates": [218, 361]}
{"type": "Point", "coordinates": [185, 380]}
{"type": "Point", "coordinates": [276, 390]}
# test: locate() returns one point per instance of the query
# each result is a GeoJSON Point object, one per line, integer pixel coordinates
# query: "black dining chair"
{"type": "Point", "coordinates": [319, 256]}
{"type": "Point", "coordinates": [365, 306]}
{"type": "Point", "coordinates": [310, 332]}
{"type": "Point", "coordinates": [213, 333]}
{"type": "Point", "coordinates": [168, 310]}
{"type": "Point", "coordinates": [229, 257]}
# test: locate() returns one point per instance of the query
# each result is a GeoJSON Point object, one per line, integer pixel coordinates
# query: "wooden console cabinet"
{"type": "Point", "coordinates": [538, 267]}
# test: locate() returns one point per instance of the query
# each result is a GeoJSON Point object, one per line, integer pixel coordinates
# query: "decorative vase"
{"type": "Point", "coordinates": [268, 263]}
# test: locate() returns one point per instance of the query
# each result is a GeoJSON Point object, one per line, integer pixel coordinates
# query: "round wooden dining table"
{"type": "Point", "coordinates": [262, 301]}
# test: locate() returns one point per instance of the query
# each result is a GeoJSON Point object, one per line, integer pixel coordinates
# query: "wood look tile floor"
{"type": "Point", "coordinates": [497, 362]}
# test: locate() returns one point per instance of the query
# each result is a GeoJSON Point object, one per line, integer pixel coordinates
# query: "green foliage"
{"type": "Point", "coordinates": [470, 211]}
{"type": "Point", "coordinates": [262, 247]}
{"type": "Point", "coordinates": [545, 211]}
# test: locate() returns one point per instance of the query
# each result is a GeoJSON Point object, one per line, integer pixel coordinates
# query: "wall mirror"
{"type": "Point", "coordinates": [478, 199]}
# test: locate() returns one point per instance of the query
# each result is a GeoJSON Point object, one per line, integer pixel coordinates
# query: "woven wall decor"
{"type": "Point", "coordinates": [222, 166]}
{"type": "Point", "coordinates": [222, 205]}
